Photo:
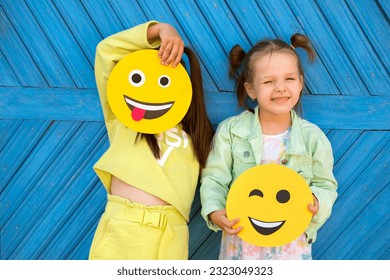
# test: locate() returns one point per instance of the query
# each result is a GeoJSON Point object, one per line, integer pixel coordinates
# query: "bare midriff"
{"type": "Point", "coordinates": [122, 189]}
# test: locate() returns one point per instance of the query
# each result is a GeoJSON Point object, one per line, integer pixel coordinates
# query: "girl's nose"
{"type": "Point", "coordinates": [280, 87]}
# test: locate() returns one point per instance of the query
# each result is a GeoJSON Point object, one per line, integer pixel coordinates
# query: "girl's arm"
{"type": "Point", "coordinates": [323, 185]}
{"type": "Point", "coordinates": [215, 181]}
{"type": "Point", "coordinates": [149, 35]}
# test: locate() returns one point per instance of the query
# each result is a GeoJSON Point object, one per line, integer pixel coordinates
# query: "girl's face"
{"type": "Point", "coordinates": [276, 83]}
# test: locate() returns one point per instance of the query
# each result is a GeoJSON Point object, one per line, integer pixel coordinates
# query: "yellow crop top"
{"type": "Point", "coordinates": [174, 176]}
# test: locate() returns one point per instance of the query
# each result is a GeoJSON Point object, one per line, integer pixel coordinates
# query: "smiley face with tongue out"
{"type": "Point", "coordinates": [147, 96]}
{"type": "Point", "coordinates": [271, 201]}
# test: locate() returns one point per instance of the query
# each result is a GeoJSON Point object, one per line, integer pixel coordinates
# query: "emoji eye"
{"type": "Point", "coordinates": [256, 192]}
{"type": "Point", "coordinates": [137, 78]}
{"type": "Point", "coordinates": [164, 81]}
{"type": "Point", "coordinates": [283, 196]}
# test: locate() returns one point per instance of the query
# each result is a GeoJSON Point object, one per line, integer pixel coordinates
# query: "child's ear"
{"type": "Point", "coordinates": [249, 90]}
{"type": "Point", "coordinates": [301, 80]}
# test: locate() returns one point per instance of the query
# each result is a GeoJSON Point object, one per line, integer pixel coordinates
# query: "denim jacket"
{"type": "Point", "coordinates": [237, 146]}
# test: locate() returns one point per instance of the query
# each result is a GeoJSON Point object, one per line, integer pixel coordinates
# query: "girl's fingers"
{"type": "Point", "coordinates": [171, 51]}
{"type": "Point", "coordinates": [229, 227]}
{"type": "Point", "coordinates": [234, 231]}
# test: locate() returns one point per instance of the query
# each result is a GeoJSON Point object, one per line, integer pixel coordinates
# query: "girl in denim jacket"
{"type": "Point", "coordinates": [272, 74]}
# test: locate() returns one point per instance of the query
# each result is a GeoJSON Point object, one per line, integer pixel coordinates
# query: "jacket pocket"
{"type": "Point", "coordinates": [243, 157]}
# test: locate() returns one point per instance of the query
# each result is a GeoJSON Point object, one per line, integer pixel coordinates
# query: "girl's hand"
{"type": "Point", "coordinates": [172, 45]}
{"type": "Point", "coordinates": [313, 208]}
{"type": "Point", "coordinates": [220, 219]}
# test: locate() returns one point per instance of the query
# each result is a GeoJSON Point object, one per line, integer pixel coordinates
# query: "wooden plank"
{"type": "Point", "coordinates": [364, 227]}
{"type": "Point", "coordinates": [341, 141]}
{"type": "Point", "coordinates": [328, 47]}
{"type": "Point", "coordinates": [53, 104]}
{"type": "Point", "coordinates": [7, 75]}
{"type": "Point", "coordinates": [83, 211]}
{"type": "Point", "coordinates": [80, 24]}
{"type": "Point", "coordinates": [52, 192]}
{"type": "Point", "coordinates": [224, 26]}
{"type": "Point", "coordinates": [375, 27]}
{"type": "Point", "coordinates": [253, 21]}
{"type": "Point", "coordinates": [209, 250]}
{"type": "Point", "coordinates": [64, 44]}
{"type": "Point", "coordinates": [33, 168]}
{"type": "Point", "coordinates": [199, 233]}
{"type": "Point", "coordinates": [18, 56]}
{"type": "Point", "coordinates": [384, 6]}
{"type": "Point", "coordinates": [360, 154]}
{"type": "Point", "coordinates": [19, 141]}
{"type": "Point", "coordinates": [284, 23]}
{"type": "Point", "coordinates": [8, 128]}
{"type": "Point", "coordinates": [208, 49]}
{"type": "Point", "coordinates": [364, 187]}
{"type": "Point", "coordinates": [75, 231]}
{"type": "Point", "coordinates": [327, 111]}
{"type": "Point", "coordinates": [225, 31]}
{"type": "Point", "coordinates": [130, 13]}
{"type": "Point", "coordinates": [63, 202]}
{"type": "Point", "coordinates": [359, 50]}
{"type": "Point", "coordinates": [159, 10]}
{"type": "Point", "coordinates": [375, 248]}
{"type": "Point", "coordinates": [103, 17]}
{"type": "Point", "coordinates": [338, 112]}
{"type": "Point", "coordinates": [82, 248]}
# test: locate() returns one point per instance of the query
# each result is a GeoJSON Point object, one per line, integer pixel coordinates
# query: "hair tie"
{"type": "Point", "coordinates": [292, 47]}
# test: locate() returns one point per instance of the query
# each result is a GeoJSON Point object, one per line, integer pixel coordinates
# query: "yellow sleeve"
{"type": "Point", "coordinates": [111, 50]}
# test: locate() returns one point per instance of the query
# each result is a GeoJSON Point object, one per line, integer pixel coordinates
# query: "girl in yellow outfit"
{"type": "Point", "coordinates": [149, 199]}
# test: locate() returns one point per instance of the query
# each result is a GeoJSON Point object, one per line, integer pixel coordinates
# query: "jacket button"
{"type": "Point", "coordinates": [310, 241]}
{"type": "Point", "coordinates": [284, 161]}
{"type": "Point", "coordinates": [246, 154]}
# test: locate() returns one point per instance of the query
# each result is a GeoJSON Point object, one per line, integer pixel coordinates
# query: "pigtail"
{"type": "Point", "coordinates": [196, 122]}
{"type": "Point", "coordinates": [301, 41]}
{"type": "Point", "coordinates": [237, 56]}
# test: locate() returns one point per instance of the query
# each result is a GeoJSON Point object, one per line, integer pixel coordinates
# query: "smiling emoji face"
{"type": "Point", "coordinates": [147, 96]}
{"type": "Point", "coordinates": [271, 201]}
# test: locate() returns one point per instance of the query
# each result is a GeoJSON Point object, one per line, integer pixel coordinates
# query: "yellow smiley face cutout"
{"type": "Point", "coordinates": [147, 96]}
{"type": "Point", "coordinates": [271, 201]}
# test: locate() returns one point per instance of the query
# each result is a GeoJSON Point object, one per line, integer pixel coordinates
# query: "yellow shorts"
{"type": "Point", "coordinates": [132, 231]}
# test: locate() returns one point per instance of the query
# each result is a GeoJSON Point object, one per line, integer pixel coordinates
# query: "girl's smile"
{"type": "Point", "coordinates": [280, 100]}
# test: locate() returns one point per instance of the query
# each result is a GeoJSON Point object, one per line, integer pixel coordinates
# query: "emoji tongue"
{"type": "Point", "coordinates": [138, 114]}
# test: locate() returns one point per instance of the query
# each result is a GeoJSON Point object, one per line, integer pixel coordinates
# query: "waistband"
{"type": "Point", "coordinates": [157, 215]}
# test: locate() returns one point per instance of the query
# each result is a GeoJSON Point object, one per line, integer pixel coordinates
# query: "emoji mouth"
{"type": "Point", "coordinates": [266, 228]}
{"type": "Point", "coordinates": [143, 110]}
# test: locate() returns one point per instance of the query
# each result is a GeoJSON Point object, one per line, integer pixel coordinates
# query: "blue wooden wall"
{"type": "Point", "coordinates": [51, 129]}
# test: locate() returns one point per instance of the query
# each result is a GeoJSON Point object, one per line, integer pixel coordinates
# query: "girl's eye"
{"type": "Point", "coordinates": [291, 79]}
{"type": "Point", "coordinates": [136, 78]}
{"type": "Point", "coordinates": [164, 81]}
{"type": "Point", "coordinates": [267, 82]}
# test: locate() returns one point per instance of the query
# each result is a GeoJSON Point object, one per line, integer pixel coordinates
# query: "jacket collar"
{"type": "Point", "coordinates": [254, 134]}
